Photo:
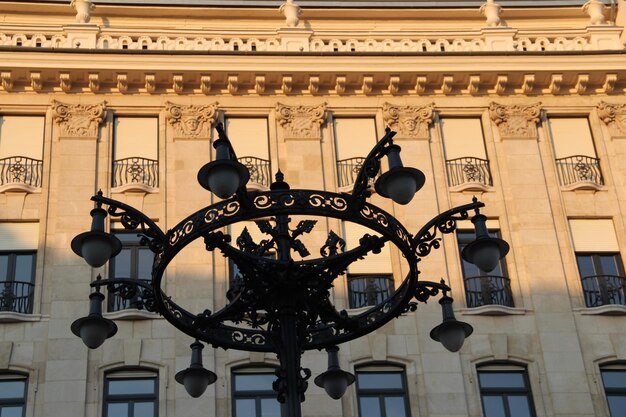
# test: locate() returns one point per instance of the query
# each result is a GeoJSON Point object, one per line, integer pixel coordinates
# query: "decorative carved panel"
{"type": "Point", "coordinates": [78, 120]}
{"type": "Point", "coordinates": [516, 121]}
{"type": "Point", "coordinates": [301, 122]}
{"type": "Point", "coordinates": [191, 122]}
{"type": "Point", "coordinates": [614, 116]}
{"type": "Point", "coordinates": [409, 122]}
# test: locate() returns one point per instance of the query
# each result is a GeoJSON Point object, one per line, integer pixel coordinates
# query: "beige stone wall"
{"type": "Point", "coordinates": [80, 92]}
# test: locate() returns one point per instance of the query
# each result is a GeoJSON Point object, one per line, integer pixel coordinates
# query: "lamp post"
{"type": "Point", "coordinates": [284, 305]}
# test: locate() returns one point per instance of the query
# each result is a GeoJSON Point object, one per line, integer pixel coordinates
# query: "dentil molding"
{"type": "Point", "coordinates": [78, 120]}
{"type": "Point", "coordinates": [191, 122]}
{"type": "Point", "coordinates": [516, 122]}
{"type": "Point", "coordinates": [614, 116]}
{"type": "Point", "coordinates": [301, 122]}
{"type": "Point", "coordinates": [410, 122]}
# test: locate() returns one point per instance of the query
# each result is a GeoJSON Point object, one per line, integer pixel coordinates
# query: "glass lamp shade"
{"type": "Point", "coordinates": [335, 382]}
{"type": "Point", "coordinates": [195, 380]}
{"type": "Point", "coordinates": [94, 330]}
{"type": "Point", "coordinates": [223, 177]}
{"type": "Point", "coordinates": [485, 253]}
{"type": "Point", "coordinates": [451, 334]}
{"type": "Point", "coordinates": [96, 247]}
{"type": "Point", "coordinates": [400, 184]}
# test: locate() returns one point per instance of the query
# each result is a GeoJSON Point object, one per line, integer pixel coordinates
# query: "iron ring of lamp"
{"type": "Point", "coordinates": [265, 314]}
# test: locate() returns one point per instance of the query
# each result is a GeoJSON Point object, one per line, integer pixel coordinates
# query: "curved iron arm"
{"type": "Point", "coordinates": [224, 137]}
{"type": "Point", "coordinates": [371, 166]}
{"type": "Point", "coordinates": [128, 289]}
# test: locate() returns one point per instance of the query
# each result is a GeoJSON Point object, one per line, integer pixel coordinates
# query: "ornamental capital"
{"type": "Point", "coordinates": [78, 120]}
{"type": "Point", "coordinates": [191, 122]}
{"type": "Point", "coordinates": [516, 121]}
{"type": "Point", "coordinates": [301, 122]}
{"type": "Point", "coordinates": [409, 122]}
{"type": "Point", "coordinates": [614, 116]}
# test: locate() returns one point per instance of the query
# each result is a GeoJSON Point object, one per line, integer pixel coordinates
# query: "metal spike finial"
{"type": "Point", "coordinates": [279, 184]}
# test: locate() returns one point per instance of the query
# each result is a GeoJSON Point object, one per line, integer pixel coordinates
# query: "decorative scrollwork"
{"type": "Point", "coordinates": [253, 339]}
{"type": "Point", "coordinates": [333, 245]}
{"type": "Point", "coordinates": [369, 213]}
{"type": "Point", "coordinates": [334, 202]}
{"type": "Point", "coordinates": [425, 290]}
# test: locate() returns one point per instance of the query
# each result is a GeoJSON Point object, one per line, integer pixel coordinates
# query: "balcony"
{"type": "Point", "coordinates": [118, 303]}
{"type": "Point", "coordinates": [17, 297]}
{"type": "Point", "coordinates": [347, 170]}
{"type": "Point", "coordinates": [488, 290]}
{"type": "Point", "coordinates": [21, 170]}
{"type": "Point", "coordinates": [601, 290]}
{"type": "Point", "coordinates": [579, 169]}
{"type": "Point", "coordinates": [260, 170]}
{"type": "Point", "coordinates": [468, 170]}
{"type": "Point", "coordinates": [369, 290]}
{"type": "Point", "coordinates": [135, 171]}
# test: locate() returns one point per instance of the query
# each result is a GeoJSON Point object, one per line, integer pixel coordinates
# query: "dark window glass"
{"type": "Point", "coordinates": [614, 381]}
{"type": "Point", "coordinates": [603, 278]}
{"type": "Point", "coordinates": [382, 394]}
{"type": "Point", "coordinates": [505, 394]}
{"type": "Point", "coordinates": [17, 277]}
{"type": "Point", "coordinates": [253, 395]}
{"type": "Point", "coordinates": [128, 396]}
{"type": "Point", "coordinates": [13, 395]}
{"type": "Point", "coordinates": [133, 262]}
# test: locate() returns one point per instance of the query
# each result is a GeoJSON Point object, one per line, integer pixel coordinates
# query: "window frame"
{"type": "Point", "coordinates": [15, 401]}
{"type": "Point", "coordinates": [608, 368]}
{"type": "Point", "coordinates": [597, 266]}
{"type": "Point", "coordinates": [10, 278]}
{"type": "Point", "coordinates": [142, 374]}
{"type": "Point", "coordinates": [258, 395]}
{"type": "Point", "coordinates": [505, 392]}
{"type": "Point", "coordinates": [381, 393]}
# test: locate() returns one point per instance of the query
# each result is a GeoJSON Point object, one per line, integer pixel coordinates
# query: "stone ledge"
{"type": "Point", "coordinates": [20, 187]}
{"type": "Point", "coordinates": [135, 187]}
{"type": "Point", "coordinates": [607, 310]}
{"type": "Point", "coordinates": [471, 186]}
{"type": "Point", "coordinates": [13, 317]}
{"type": "Point", "coordinates": [493, 310]}
{"type": "Point", "coordinates": [131, 314]}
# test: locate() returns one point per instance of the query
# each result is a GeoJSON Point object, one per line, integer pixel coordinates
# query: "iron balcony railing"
{"type": "Point", "coordinates": [488, 290]}
{"type": "Point", "coordinates": [117, 303]}
{"type": "Point", "coordinates": [260, 169]}
{"type": "Point", "coordinates": [579, 168]}
{"type": "Point", "coordinates": [17, 296]}
{"type": "Point", "coordinates": [603, 290]}
{"type": "Point", "coordinates": [21, 170]}
{"type": "Point", "coordinates": [348, 170]}
{"type": "Point", "coordinates": [369, 290]}
{"type": "Point", "coordinates": [468, 169]}
{"type": "Point", "coordinates": [135, 170]}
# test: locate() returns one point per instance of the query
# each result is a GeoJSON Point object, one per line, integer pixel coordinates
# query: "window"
{"type": "Point", "coordinates": [21, 150]}
{"type": "Point", "coordinates": [354, 139]}
{"type": "Point", "coordinates": [253, 395]}
{"type": "Point", "coordinates": [18, 253]}
{"type": "Point", "coordinates": [135, 152]}
{"type": "Point", "coordinates": [13, 395]}
{"type": "Point", "coordinates": [614, 381]}
{"type": "Point", "coordinates": [483, 288]}
{"type": "Point", "coordinates": [599, 262]}
{"type": "Point", "coordinates": [505, 393]}
{"type": "Point", "coordinates": [370, 281]}
{"type": "Point", "coordinates": [250, 139]}
{"type": "Point", "coordinates": [130, 394]}
{"type": "Point", "coordinates": [133, 262]}
{"type": "Point", "coordinates": [575, 154]}
{"type": "Point", "coordinates": [381, 392]}
{"type": "Point", "coordinates": [464, 146]}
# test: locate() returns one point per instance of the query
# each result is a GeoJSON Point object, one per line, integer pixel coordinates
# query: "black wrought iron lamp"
{"type": "Point", "coordinates": [283, 305]}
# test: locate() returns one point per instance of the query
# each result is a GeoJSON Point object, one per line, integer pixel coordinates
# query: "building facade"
{"type": "Point", "coordinates": [520, 103]}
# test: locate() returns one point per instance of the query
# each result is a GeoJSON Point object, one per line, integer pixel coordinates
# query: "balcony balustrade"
{"type": "Point", "coordinates": [579, 168]}
{"type": "Point", "coordinates": [117, 303]}
{"type": "Point", "coordinates": [21, 170]}
{"type": "Point", "coordinates": [488, 290]}
{"type": "Point", "coordinates": [348, 170]}
{"type": "Point", "coordinates": [135, 170]}
{"type": "Point", "coordinates": [603, 290]}
{"type": "Point", "coordinates": [260, 169]}
{"type": "Point", "coordinates": [17, 296]}
{"type": "Point", "coordinates": [468, 170]}
{"type": "Point", "coordinates": [369, 290]}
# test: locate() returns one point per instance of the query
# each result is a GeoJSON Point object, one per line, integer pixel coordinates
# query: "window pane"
{"type": "Point", "coordinates": [4, 266]}
{"type": "Point", "coordinates": [11, 411]}
{"type": "Point", "coordinates": [617, 405]}
{"type": "Point", "coordinates": [131, 386]}
{"type": "Point", "coordinates": [144, 409]}
{"type": "Point", "coordinates": [585, 266]}
{"type": "Point", "coordinates": [144, 263]}
{"type": "Point", "coordinates": [245, 408]}
{"type": "Point", "coordinates": [270, 407]}
{"type": "Point", "coordinates": [501, 380]}
{"type": "Point", "coordinates": [117, 410]}
{"type": "Point", "coordinates": [380, 380]}
{"type": "Point", "coordinates": [122, 264]}
{"type": "Point", "coordinates": [493, 406]}
{"type": "Point", "coordinates": [519, 406]}
{"type": "Point", "coordinates": [608, 263]}
{"type": "Point", "coordinates": [614, 379]}
{"type": "Point", "coordinates": [254, 382]}
{"type": "Point", "coordinates": [24, 268]}
{"type": "Point", "coordinates": [370, 407]}
{"type": "Point", "coordinates": [12, 389]}
{"type": "Point", "coordinates": [395, 407]}
{"type": "Point", "coordinates": [128, 237]}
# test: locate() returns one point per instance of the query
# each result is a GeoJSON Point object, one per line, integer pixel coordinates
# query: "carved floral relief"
{"type": "Point", "coordinates": [409, 122]}
{"type": "Point", "coordinates": [614, 116]}
{"type": "Point", "coordinates": [78, 120]}
{"type": "Point", "coordinates": [301, 122]}
{"type": "Point", "coordinates": [516, 121]}
{"type": "Point", "coordinates": [191, 122]}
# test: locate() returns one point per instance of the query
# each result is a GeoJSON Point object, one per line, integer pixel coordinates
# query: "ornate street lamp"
{"type": "Point", "coordinates": [283, 305]}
